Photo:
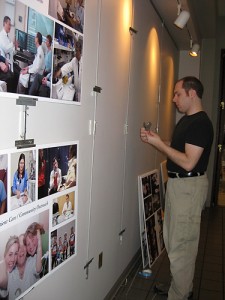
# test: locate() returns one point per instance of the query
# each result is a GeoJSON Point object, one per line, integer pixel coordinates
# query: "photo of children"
{"type": "Point", "coordinates": [63, 208]}
{"type": "Point", "coordinates": [62, 244]}
{"type": "Point", "coordinates": [3, 183]}
{"type": "Point", "coordinates": [23, 178]}
{"type": "Point", "coordinates": [57, 169]}
{"type": "Point", "coordinates": [23, 255]}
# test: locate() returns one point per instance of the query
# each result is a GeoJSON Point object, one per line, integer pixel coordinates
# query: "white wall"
{"type": "Point", "coordinates": [136, 73]}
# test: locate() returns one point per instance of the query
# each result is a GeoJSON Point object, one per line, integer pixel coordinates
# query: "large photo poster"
{"type": "Point", "coordinates": [41, 52]}
{"type": "Point", "coordinates": [150, 217]}
{"type": "Point", "coordinates": [38, 213]}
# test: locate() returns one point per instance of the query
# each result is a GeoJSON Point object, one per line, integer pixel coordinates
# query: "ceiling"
{"type": "Point", "coordinates": [202, 23]}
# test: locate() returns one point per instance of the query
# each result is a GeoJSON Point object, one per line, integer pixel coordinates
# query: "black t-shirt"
{"type": "Point", "coordinates": [197, 130]}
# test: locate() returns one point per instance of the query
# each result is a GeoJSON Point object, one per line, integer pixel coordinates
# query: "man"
{"type": "Point", "coordinates": [75, 66]}
{"type": "Point", "coordinates": [28, 73]}
{"type": "Point", "coordinates": [55, 177]}
{"type": "Point", "coordinates": [67, 207]}
{"type": "Point", "coordinates": [187, 185]}
{"type": "Point", "coordinates": [5, 43]}
{"type": "Point", "coordinates": [8, 48]}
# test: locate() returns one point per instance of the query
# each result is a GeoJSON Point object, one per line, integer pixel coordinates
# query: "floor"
{"type": "Point", "coordinates": [209, 279]}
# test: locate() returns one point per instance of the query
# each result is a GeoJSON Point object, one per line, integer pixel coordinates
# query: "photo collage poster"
{"type": "Point", "coordinates": [41, 52]}
{"type": "Point", "coordinates": [38, 214]}
{"type": "Point", "coordinates": [150, 217]}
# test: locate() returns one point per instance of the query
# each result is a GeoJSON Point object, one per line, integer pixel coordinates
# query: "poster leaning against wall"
{"type": "Point", "coordinates": [38, 213]}
{"type": "Point", "coordinates": [150, 214]}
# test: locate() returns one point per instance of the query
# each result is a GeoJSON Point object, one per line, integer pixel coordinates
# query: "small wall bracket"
{"type": "Point", "coordinates": [132, 30]}
{"type": "Point", "coordinates": [97, 89]}
{"type": "Point", "coordinates": [86, 267]}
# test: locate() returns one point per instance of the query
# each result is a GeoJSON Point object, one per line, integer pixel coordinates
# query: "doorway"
{"type": "Point", "coordinates": [219, 174]}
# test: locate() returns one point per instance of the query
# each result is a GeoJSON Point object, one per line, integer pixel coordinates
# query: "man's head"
{"type": "Point", "coordinates": [38, 39]}
{"type": "Point", "coordinates": [67, 198]}
{"type": "Point", "coordinates": [188, 93]}
{"type": "Point", "coordinates": [78, 49]}
{"type": "Point", "coordinates": [7, 24]}
{"type": "Point", "coordinates": [191, 82]}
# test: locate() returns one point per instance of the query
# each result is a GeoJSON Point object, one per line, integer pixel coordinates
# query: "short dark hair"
{"type": "Point", "coordinates": [6, 18]}
{"type": "Point", "coordinates": [191, 82]}
{"type": "Point", "coordinates": [78, 45]}
{"type": "Point", "coordinates": [39, 37]}
{"type": "Point", "coordinates": [49, 37]}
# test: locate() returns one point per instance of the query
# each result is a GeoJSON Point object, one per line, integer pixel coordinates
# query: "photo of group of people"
{"type": "Point", "coordinates": [41, 56]}
{"type": "Point", "coordinates": [62, 244]}
{"type": "Point", "coordinates": [24, 255]}
{"type": "Point", "coordinates": [38, 212]}
{"type": "Point", "coordinates": [150, 214]}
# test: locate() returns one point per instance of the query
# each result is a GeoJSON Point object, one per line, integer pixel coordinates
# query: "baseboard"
{"type": "Point", "coordinates": [135, 261]}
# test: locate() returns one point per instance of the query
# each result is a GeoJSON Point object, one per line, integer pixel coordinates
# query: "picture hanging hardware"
{"type": "Point", "coordinates": [132, 30]}
{"type": "Point", "coordinates": [25, 101]}
{"type": "Point", "coordinates": [24, 143]}
{"type": "Point", "coordinates": [87, 267]}
{"type": "Point", "coordinates": [97, 89]}
{"type": "Point", "coordinates": [122, 232]}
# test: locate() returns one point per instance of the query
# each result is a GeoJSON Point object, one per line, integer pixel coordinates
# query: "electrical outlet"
{"type": "Point", "coordinates": [100, 260]}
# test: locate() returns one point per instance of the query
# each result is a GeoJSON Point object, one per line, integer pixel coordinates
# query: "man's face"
{"type": "Point", "coordinates": [181, 99]}
{"type": "Point", "coordinates": [7, 26]}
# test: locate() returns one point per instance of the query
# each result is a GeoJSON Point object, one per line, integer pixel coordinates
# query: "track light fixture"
{"type": "Point", "coordinates": [194, 49]}
{"type": "Point", "coordinates": [183, 16]}
{"type": "Point", "coordinates": [182, 19]}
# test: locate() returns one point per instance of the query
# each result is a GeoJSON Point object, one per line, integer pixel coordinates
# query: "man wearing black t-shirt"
{"type": "Point", "coordinates": [188, 156]}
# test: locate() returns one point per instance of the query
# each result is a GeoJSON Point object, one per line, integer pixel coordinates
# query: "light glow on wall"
{"type": "Point", "coordinates": [152, 61]}
{"type": "Point", "coordinates": [127, 14]}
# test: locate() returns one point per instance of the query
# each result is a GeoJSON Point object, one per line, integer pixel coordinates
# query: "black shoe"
{"type": "Point", "coordinates": [161, 289]}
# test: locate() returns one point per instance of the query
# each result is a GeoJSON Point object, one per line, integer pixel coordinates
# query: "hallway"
{"type": "Point", "coordinates": [209, 280]}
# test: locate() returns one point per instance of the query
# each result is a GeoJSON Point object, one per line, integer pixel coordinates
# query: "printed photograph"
{"type": "Point", "coordinates": [67, 67]}
{"type": "Point", "coordinates": [24, 253]}
{"type": "Point", "coordinates": [23, 178]}
{"type": "Point", "coordinates": [57, 169]}
{"type": "Point", "coordinates": [25, 50]}
{"type": "Point", "coordinates": [63, 208]}
{"type": "Point", "coordinates": [69, 12]}
{"type": "Point", "coordinates": [62, 244]}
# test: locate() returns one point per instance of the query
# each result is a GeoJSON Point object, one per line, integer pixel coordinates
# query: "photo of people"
{"type": "Point", "coordinates": [63, 242]}
{"type": "Point", "coordinates": [57, 169]}
{"type": "Point", "coordinates": [154, 180]}
{"type": "Point", "coordinates": [3, 183]}
{"type": "Point", "coordinates": [68, 64]}
{"type": "Point", "coordinates": [23, 255]}
{"type": "Point", "coordinates": [63, 208]}
{"type": "Point", "coordinates": [23, 181]}
{"type": "Point", "coordinates": [69, 12]}
{"type": "Point", "coordinates": [25, 50]}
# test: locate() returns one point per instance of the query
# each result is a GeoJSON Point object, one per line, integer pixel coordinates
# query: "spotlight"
{"type": "Point", "coordinates": [194, 50]}
{"type": "Point", "coordinates": [182, 19]}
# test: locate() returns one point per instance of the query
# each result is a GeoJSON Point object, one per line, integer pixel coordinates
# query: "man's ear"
{"type": "Point", "coordinates": [192, 93]}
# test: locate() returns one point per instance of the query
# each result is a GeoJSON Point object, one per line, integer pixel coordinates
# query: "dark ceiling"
{"type": "Point", "coordinates": [202, 22]}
